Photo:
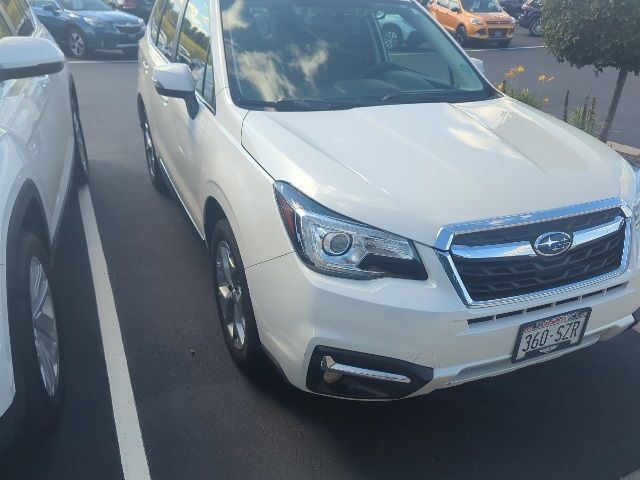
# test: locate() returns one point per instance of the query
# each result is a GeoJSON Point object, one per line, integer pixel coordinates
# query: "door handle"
{"type": "Point", "coordinates": [145, 66]}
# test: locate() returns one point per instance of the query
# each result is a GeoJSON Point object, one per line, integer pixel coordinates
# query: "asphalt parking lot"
{"type": "Point", "coordinates": [200, 418]}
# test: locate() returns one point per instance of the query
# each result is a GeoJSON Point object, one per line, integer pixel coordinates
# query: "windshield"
{"type": "Point", "coordinates": [325, 54]}
{"type": "Point", "coordinates": [481, 6]}
{"type": "Point", "coordinates": [83, 5]}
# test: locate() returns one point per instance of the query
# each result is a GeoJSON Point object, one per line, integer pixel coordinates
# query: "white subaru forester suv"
{"type": "Point", "coordinates": [41, 145]}
{"type": "Point", "coordinates": [380, 223]}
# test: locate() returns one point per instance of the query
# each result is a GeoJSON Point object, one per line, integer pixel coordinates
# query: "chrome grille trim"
{"type": "Point", "coordinates": [525, 249]}
{"type": "Point", "coordinates": [446, 235]}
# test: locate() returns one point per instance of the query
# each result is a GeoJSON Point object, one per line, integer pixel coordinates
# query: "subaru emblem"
{"type": "Point", "coordinates": [554, 243]}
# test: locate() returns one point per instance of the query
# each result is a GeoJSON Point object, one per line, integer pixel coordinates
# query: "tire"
{"type": "Point", "coordinates": [80, 156]}
{"type": "Point", "coordinates": [461, 35]}
{"type": "Point", "coordinates": [151, 156]}
{"type": "Point", "coordinates": [77, 43]}
{"type": "Point", "coordinates": [392, 37]}
{"type": "Point", "coordinates": [504, 43]}
{"type": "Point", "coordinates": [233, 300]}
{"type": "Point", "coordinates": [130, 53]}
{"type": "Point", "coordinates": [40, 371]}
{"type": "Point", "coordinates": [534, 28]}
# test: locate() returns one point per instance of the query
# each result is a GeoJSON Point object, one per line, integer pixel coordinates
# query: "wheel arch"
{"type": "Point", "coordinates": [28, 214]}
{"type": "Point", "coordinates": [213, 213]}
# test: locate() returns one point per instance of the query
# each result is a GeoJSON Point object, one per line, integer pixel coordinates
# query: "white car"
{"type": "Point", "coordinates": [41, 141]}
{"type": "Point", "coordinates": [380, 229]}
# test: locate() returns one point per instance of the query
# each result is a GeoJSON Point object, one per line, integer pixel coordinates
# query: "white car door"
{"type": "Point", "coordinates": [194, 50]}
{"type": "Point", "coordinates": [37, 112]}
{"type": "Point", "coordinates": [158, 51]}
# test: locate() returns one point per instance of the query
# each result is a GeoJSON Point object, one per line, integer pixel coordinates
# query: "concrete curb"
{"type": "Point", "coordinates": [625, 150]}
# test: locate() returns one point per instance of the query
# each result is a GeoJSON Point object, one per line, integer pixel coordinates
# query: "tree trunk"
{"type": "Point", "coordinates": [622, 78]}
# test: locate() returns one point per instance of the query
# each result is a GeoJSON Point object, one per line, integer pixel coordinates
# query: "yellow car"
{"type": "Point", "coordinates": [483, 20]}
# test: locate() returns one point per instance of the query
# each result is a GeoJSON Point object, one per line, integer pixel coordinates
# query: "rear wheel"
{"type": "Point", "coordinates": [231, 291]}
{"type": "Point", "coordinates": [535, 28]}
{"type": "Point", "coordinates": [35, 332]}
{"type": "Point", "coordinates": [77, 43]}
{"type": "Point", "coordinates": [461, 35]}
{"type": "Point", "coordinates": [153, 164]}
{"type": "Point", "coordinates": [80, 156]}
{"type": "Point", "coordinates": [392, 37]}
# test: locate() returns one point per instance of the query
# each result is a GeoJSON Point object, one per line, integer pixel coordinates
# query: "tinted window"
{"type": "Point", "coordinates": [19, 16]}
{"type": "Point", "coordinates": [167, 35]}
{"type": "Point", "coordinates": [194, 42]}
{"type": "Point", "coordinates": [331, 52]}
{"type": "Point", "coordinates": [154, 20]}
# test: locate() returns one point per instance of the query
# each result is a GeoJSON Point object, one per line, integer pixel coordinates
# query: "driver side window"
{"type": "Point", "coordinates": [443, 3]}
{"type": "Point", "coordinates": [454, 4]}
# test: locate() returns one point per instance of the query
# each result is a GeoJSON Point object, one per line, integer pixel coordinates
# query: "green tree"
{"type": "Point", "coordinates": [598, 33]}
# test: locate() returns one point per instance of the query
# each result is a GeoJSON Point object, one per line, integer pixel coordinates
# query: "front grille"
{"type": "Point", "coordinates": [493, 31]}
{"type": "Point", "coordinates": [129, 28]}
{"type": "Point", "coordinates": [487, 279]}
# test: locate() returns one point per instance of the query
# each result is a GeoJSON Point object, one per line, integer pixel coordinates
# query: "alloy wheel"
{"type": "Point", "coordinates": [231, 295]}
{"type": "Point", "coordinates": [149, 148]}
{"type": "Point", "coordinates": [45, 329]}
{"type": "Point", "coordinates": [76, 44]}
{"type": "Point", "coordinates": [391, 39]}
{"type": "Point", "coordinates": [80, 143]}
{"type": "Point", "coordinates": [460, 35]}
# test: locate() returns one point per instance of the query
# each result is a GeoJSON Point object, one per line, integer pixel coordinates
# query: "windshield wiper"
{"type": "Point", "coordinates": [298, 105]}
{"type": "Point", "coordinates": [424, 97]}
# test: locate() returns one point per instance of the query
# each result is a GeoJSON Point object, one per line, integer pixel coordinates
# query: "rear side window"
{"type": "Point", "coordinates": [167, 34]}
{"type": "Point", "coordinates": [19, 16]}
{"type": "Point", "coordinates": [194, 44]}
{"type": "Point", "coordinates": [154, 19]}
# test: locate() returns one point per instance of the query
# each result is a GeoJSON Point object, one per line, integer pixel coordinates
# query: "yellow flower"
{"type": "Point", "coordinates": [511, 74]}
{"type": "Point", "coordinates": [546, 100]}
{"type": "Point", "coordinates": [542, 78]}
{"type": "Point", "coordinates": [520, 69]}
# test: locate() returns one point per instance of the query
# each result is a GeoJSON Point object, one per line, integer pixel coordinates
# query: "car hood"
{"type": "Point", "coordinates": [493, 16]}
{"type": "Point", "coordinates": [411, 169]}
{"type": "Point", "coordinates": [110, 16]}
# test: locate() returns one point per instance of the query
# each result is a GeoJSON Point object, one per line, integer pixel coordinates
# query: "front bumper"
{"type": "Point", "coordinates": [422, 323]}
{"type": "Point", "coordinates": [112, 40]}
{"type": "Point", "coordinates": [491, 32]}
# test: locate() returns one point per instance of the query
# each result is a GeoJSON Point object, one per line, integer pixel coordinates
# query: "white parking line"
{"type": "Point", "coordinates": [132, 455]}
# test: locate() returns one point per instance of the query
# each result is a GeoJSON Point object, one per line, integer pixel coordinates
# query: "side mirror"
{"type": "Point", "coordinates": [479, 64]}
{"type": "Point", "coordinates": [52, 7]}
{"type": "Point", "coordinates": [25, 57]}
{"type": "Point", "coordinates": [175, 80]}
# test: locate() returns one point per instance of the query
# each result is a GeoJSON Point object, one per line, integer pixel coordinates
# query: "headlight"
{"type": "Point", "coordinates": [335, 245]}
{"type": "Point", "coordinates": [95, 23]}
{"type": "Point", "coordinates": [477, 21]}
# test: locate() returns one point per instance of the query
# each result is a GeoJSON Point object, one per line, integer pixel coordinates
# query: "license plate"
{"type": "Point", "coordinates": [550, 335]}
{"type": "Point", "coordinates": [497, 34]}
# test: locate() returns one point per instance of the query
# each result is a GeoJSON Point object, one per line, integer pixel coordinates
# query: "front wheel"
{"type": "Point", "coordinates": [233, 300]}
{"type": "Point", "coordinates": [35, 332]}
{"type": "Point", "coordinates": [77, 43]}
{"type": "Point", "coordinates": [535, 29]}
{"type": "Point", "coordinates": [461, 35]}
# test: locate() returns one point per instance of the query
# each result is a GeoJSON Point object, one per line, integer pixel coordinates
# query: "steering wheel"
{"type": "Point", "coordinates": [380, 68]}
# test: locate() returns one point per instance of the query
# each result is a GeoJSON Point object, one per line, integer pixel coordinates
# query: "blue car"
{"type": "Point", "coordinates": [86, 25]}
